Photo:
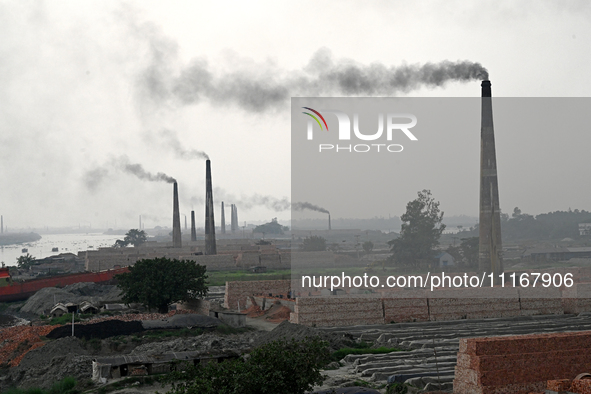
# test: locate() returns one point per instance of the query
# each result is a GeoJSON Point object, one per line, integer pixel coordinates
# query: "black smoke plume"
{"type": "Point", "coordinates": [94, 177]}
{"type": "Point", "coordinates": [266, 89]}
{"type": "Point", "coordinates": [138, 170]}
{"type": "Point", "coordinates": [300, 206]}
{"type": "Point", "coordinates": [173, 143]}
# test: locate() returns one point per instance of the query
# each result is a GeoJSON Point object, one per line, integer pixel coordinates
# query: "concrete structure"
{"type": "Point", "coordinates": [1, 224]}
{"type": "Point", "coordinates": [210, 244]}
{"type": "Point", "coordinates": [176, 218]}
{"type": "Point", "coordinates": [233, 319]}
{"type": "Point", "coordinates": [490, 248]}
{"type": "Point", "coordinates": [193, 229]}
{"type": "Point", "coordinates": [329, 225]}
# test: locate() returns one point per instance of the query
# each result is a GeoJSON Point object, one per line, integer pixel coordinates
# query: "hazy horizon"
{"type": "Point", "coordinates": [99, 99]}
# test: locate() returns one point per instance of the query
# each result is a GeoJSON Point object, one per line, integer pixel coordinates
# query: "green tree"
{"type": "Point", "coordinates": [133, 237]}
{"type": "Point", "coordinates": [421, 229]}
{"type": "Point", "coordinates": [120, 244]}
{"type": "Point", "coordinates": [136, 237]}
{"type": "Point", "coordinates": [25, 262]}
{"type": "Point", "coordinates": [277, 367]}
{"type": "Point", "coordinates": [314, 244]}
{"type": "Point", "coordinates": [367, 247]}
{"type": "Point", "coordinates": [470, 249]}
{"type": "Point", "coordinates": [159, 282]}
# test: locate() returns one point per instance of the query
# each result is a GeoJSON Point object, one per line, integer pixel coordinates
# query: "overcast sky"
{"type": "Point", "coordinates": [86, 87]}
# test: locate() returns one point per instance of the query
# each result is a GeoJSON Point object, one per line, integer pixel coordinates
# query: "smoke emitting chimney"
{"type": "Point", "coordinates": [193, 229]}
{"type": "Point", "coordinates": [223, 219]}
{"type": "Point", "coordinates": [329, 227]}
{"type": "Point", "coordinates": [210, 246]}
{"type": "Point", "coordinates": [176, 218]}
{"type": "Point", "coordinates": [490, 246]}
{"type": "Point", "coordinates": [1, 224]}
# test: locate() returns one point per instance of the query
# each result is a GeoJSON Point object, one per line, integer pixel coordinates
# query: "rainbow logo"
{"type": "Point", "coordinates": [315, 118]}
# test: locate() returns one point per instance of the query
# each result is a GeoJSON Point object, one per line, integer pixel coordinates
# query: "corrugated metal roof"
{"type": "Point", "coordinates": [159, 358]}
{"type": "Point", "coordinates": [580, 249]}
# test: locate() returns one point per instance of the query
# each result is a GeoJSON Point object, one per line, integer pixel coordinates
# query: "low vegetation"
{"type": "Point", "coordinates": [65, 386]}
{"type": "Point", "coordinates": [277, 367]}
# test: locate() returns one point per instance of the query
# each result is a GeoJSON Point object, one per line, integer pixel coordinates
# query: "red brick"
{"type": "Point", "coordinates": [559, 385]}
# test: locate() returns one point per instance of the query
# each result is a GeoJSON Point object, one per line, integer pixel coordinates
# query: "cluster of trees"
{"type": "Point", "coordinates": [157, 283]}
{"type": "Point", "coordinates": [287, 367]}
{"type": "Point", "coordinates": [133, 237]}
{"type": "Point", "coordinates": [314, 244]}
{"type": "Point", "coordinates": [551, 225]}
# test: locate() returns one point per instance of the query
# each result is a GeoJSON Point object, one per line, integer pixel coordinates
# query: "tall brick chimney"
{"type": "Point", "coordinates": [193, 229]}
{"type": "Point", "coordinates": [223, 219]}
{"type": "Point", "coordinates": [490, 246]}
{"type": "Point", "coordinates": [210, 246]}
{"type": "Point", "coordinates": [176, 218]}
{"type": "Point", "coordinates": [232, 219]}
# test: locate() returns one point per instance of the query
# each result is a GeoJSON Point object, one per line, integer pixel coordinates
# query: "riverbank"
{"type": "Point", "coordinates": [18, 238]}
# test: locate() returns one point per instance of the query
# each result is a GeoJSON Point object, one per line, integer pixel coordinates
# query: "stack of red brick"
{"type": "Point", "coordinates": [520, 364]}
{"type": "Point", "coordinates": [571, 386]}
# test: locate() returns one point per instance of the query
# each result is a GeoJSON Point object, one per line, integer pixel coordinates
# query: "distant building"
{"type": "Point", "coordinates": [557, 254]}
{"type": "Point", "coordinates": [584, 229]}
{"type": "Point", "coordinates": [445, 259]}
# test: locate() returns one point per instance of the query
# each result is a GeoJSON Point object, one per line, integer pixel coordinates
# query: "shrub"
{"type": "Point", "coordinates": [277, 367]}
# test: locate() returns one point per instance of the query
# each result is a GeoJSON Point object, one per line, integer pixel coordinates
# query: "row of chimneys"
{"type": "Point", "coordinates": [210, 244]}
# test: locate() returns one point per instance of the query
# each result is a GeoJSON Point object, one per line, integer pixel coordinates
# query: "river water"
{"type": "Point", "coordinates": [66, 243]}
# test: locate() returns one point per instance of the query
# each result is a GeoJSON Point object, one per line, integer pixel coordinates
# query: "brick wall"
{"type": "Point", "coordinates": [577, 298]}
{"type": "Point", "coordinates": [520, 364]}
{"type": "Point", "coordinates": [239, 291]}
{"type": "Point", "coordinates": [422, 305]}
{"type": "Point", "coordinates": [338, 311]}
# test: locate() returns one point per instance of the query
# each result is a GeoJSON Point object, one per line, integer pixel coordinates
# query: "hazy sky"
{"type": "Point", "coordinates": [86, 87]}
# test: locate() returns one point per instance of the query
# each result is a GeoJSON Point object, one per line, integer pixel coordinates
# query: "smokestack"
{"type": "Point", "coordinates": [210, 247]}
{"type": "Point", "coordinates": [490, 247]}
{"type": "Point", "coordinates": [140, 223]}
{"type": "Point", "coordinates": [193, 229]}
{"type": "Point", "coordinates": [223, 219]}
{"type": "Point", "coordinates": [176, 218]}
{"type": "Point", "coordinates": [329, 227]}
{"type": "Point", "coordinates": [232, 219]}
{"type": "Point", "coordinates": [1, 224]}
